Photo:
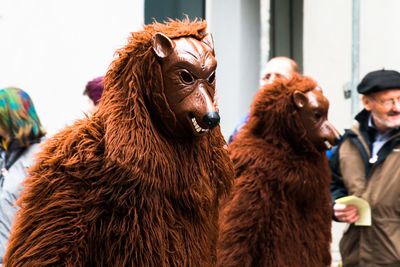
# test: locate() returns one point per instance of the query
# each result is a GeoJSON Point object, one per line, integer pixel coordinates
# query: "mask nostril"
{"type": "Point", "coordinates": [211, 119]}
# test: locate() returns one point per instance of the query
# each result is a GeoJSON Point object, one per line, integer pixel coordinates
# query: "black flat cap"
{"type": "Point", "coordinates": [379, 80]}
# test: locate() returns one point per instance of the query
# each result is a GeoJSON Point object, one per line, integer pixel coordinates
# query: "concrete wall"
{"type": "Point", "coordinates": [327, 46]}
{"type": "Point", "coordinates": [380, 38]}
{"type": "Point", "coordinates": [235, 26]}
{"type": "Point", "coordinates": [52, 48]}
{"type": "Point", "coordinates": [327, 52]}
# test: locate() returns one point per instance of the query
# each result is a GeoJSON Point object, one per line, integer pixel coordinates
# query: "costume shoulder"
{"type": "Point", "coordinates": [51, 213]}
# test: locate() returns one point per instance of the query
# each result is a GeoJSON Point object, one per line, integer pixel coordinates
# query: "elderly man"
{"type": "Point", "coordinates": [367, 164]}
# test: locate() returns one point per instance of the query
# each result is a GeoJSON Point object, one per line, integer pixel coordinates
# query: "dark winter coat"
{"type": "Point", "coordinates": [376, 181]}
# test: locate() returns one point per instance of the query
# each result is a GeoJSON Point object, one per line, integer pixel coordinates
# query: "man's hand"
{"type": "Point", "coordinates": [345, 213]}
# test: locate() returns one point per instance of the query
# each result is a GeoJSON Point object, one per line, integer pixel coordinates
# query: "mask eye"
{"type": "Point", "coordinates": [211, 79]}
{"type": "Point", "coordinates": [318, 116]}
{"type": "Point", "coordinates": [186, 77]}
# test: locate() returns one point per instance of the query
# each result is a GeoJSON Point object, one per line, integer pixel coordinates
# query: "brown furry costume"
{"type": "Point", "coordinates": [116, 189]}
{"type": "Point", "coordinates": [278, 214]}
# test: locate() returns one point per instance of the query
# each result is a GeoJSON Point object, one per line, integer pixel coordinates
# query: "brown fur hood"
{"type": "Point", "coordinates": [113, 190]}
{"type": "Point", "coordinates": [278, 213]}
{"type": "Point", "coordinates": [274, 118]}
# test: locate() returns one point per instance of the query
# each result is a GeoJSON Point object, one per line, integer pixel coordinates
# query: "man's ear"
{"type": "Point", "coordinates": [367, 102]}
{"type": "Point", "coordinates": [300, 99]}
{"type": "Point", "coordinates": [209, 41]}
{"type": "Point", "coordinates": [162, 45]}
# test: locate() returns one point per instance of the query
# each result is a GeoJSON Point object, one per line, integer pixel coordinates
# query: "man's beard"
{"type": "Point", "coordinates": [388, 123]}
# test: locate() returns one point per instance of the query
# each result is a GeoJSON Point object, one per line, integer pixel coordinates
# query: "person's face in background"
{"type": "Point", "coordinates": [279, 68]}
{"type": "Point", "coordinates": [385, 108]}
{"type": "Point", "coordinates": [94, 90]}
{"type": "Point", "coordinates": [92, 107]}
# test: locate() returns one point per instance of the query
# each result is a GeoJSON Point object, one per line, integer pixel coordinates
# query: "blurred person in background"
{"type": "Point", "coordinates": [20, 134]}
{"type": "Point", "coordinates": [94, 90]}
{"type": "Point", "coordinates": [366, 164]}
{"type": "Point", "coordinates": [276, 68]}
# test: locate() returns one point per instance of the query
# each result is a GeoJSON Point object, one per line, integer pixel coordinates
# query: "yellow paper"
{"type": "Point", "coordinates": [363, 209]}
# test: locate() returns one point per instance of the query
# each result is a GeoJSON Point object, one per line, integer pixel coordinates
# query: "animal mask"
{"type": "Point", "coordinates": [188, 68]}
{"type": "Point", "coordinates": [313, 110]}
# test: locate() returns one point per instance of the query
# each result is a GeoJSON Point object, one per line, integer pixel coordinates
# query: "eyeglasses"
{"type": "Point", "coordinates": [389, 103]}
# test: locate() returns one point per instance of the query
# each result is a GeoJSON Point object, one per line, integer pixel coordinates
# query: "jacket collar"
{"type": "Point", "coordinates": [363, 118]}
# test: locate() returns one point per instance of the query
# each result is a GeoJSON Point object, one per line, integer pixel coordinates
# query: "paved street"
{"type": "Point", "coordinates": [337, 230]}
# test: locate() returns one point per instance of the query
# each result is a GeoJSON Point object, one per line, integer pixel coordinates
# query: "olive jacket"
{"type": "Point", "coordinates": [377, 180]}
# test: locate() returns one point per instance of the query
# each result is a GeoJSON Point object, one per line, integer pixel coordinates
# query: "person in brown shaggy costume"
{"type": "Point", "coordinates": [137, 183]}
{"type": "Point", "coordinates": [278, 214]}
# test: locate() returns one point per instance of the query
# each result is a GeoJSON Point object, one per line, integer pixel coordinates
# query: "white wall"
{"type": "Point", "coordinates": [327, 46]}
{"type": "Point", "coordinates": [235, 25]}
{"type": "Point", "coordinates": [327, 52]}
{"type": "Point", "coordinates": [52, 48]}
{"type": "Point", "coordinates": [380, 35]}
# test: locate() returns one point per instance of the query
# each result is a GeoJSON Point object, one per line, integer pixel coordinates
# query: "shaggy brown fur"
{"type": "Point", "coordinates": [113, 190]}
{"type": "Point", "coordinates": [278, 213]}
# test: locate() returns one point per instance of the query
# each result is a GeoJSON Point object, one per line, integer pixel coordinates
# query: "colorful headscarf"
{"type": "Point", "coordinates": [18, 118]}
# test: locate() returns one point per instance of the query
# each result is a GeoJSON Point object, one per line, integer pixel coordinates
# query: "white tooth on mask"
{"type": "Point", "coordinates": [197, 126]}
{"type": "Point", "coordinates": [328, 145]}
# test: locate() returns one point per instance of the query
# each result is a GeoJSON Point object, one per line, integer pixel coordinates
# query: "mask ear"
{"type": "Point", "coordinates": [300, 100]}
{"type": "Point", "coordinates": [209, 41]}
{"type": "Point", "coordinates": [162, 45]}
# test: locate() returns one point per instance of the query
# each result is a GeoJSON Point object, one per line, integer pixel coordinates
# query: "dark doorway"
{"type": "Point", "coordinates": [287, 29]}
{"type": "Point", "coordinates": [161, 10]}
